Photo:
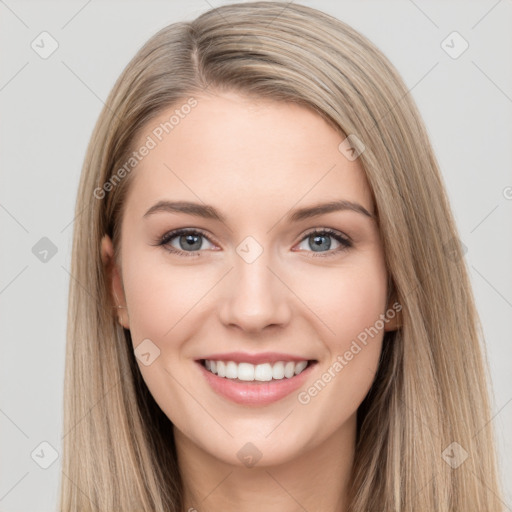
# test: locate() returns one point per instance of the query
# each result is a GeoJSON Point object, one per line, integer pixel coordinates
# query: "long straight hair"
{"type": "Point", "coordinates": [431, 388]}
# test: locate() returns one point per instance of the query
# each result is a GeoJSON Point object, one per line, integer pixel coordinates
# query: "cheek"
{"type": "Point", "coordinates": [357, 305]}
{"type": "Point", "coordinates": [159, 297]}
{"type": "Point", "coordinates": [159, 300]}
{"type": "Point", "coordinates": [352, 309]}
{"type": "Point", "coordinates": [348, 301]}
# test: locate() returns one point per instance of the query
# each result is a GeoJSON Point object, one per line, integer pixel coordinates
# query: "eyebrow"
{"type": "Point", "coordinates": [209, 212]}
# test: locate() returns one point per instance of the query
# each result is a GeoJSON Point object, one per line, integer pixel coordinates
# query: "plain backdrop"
{"type": "Point", "coordinates": [49, 107]}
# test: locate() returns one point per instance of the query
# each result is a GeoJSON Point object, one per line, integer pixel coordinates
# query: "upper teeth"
{"type": "Point", "coordinates": [251, 372]}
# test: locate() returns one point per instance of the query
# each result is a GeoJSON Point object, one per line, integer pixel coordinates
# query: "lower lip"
{"type": "Point", "coordinates": [255, 392]}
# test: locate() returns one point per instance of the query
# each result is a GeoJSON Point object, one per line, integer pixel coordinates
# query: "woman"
{"type": "Point", "coordinates": [270, 307]}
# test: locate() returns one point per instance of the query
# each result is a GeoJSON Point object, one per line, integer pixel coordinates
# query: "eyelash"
{"type": "Point", "coordinates": [165, 239]}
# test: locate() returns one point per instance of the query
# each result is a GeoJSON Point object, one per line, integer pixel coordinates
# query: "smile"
{"type": "Point", "coordinates": [248, 372]}
{"type": "Point", "coordinates": [255, 384]}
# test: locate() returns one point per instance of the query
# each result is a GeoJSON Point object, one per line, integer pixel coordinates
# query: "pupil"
{"type": "Point", "coordinates": [317, 242]}
{"type": "Point", "coordinates": [191, 241]}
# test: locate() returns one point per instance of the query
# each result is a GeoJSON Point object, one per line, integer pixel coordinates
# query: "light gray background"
{"type": "Point", "coordinates": [49, 107]}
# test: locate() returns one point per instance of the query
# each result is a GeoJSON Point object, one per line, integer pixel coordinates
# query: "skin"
{"type": "Point", "coordinates": [254, 161]}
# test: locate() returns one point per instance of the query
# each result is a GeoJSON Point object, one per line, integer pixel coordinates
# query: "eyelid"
{"type": "Point", "coordinates": [173, 233]}
{"type": "Point", "coordinates": [330, 231]}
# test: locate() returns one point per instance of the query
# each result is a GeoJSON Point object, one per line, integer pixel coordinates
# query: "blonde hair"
{"type": "Point", "coordinates": [431, 389]}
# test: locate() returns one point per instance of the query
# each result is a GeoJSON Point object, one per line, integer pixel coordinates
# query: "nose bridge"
{"type": "Point", "coordinates": [255, 296]}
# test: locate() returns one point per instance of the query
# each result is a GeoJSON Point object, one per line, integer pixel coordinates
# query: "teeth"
{"type": "Point", "coordinates": [221, 368]}
{"type": "Point", "coordinates": [300, 366]}
{"type": "Point", "coordinates": [289, 369]}
{"type": "Point", "coordinates": [263, 372]}
{"type": "Point", "coordinates": [245, 371]}
{"type": "Point", "coordinates": [231, 370]}
{"type": "Point", "coordinates": [278, 370]}
{"type": "Point", "coordinates": [260, 372]}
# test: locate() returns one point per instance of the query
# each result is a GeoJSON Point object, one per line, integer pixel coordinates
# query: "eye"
{"type": "Point", "coordinates": [189, 241]}
{"type": "Point", "coordinates": [320, 241]}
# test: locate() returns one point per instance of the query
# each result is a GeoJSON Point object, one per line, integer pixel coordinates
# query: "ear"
{"type": "Point", "coordinates": [393, 312]}
{"type": "Point", "coordinates": [114, 281]}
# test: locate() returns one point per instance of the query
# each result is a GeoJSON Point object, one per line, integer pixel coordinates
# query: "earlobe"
{"type": "Point", "coordinates": [107, 251]}
{"type": "Point", "coordinates": [393, 313]}
{"type": "Point", "coordinates": [114, 281]}
{"type": "Point", "coordinates": [393, 324]}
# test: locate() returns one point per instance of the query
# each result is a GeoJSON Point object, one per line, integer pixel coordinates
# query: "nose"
{"type": "Point", "coordinates": [255, 296]}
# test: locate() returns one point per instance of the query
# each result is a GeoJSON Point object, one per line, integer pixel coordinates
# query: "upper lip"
{"type": "Point", "coordinates": [263, 357]}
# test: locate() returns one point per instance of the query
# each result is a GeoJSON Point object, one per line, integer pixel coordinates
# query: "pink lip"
{"type": "Point", "coordinates": [263, 357]}
{"type": "Point", "coordinates": [255, 393]}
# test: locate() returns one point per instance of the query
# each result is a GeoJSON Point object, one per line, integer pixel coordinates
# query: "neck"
{"type": "Point", "coordinates": [314, 479]}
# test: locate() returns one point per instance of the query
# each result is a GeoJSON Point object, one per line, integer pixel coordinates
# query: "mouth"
{"type": "Point", "coordinates": [255, 384]}
{"type": "Point", "coordinates": [245, 372]}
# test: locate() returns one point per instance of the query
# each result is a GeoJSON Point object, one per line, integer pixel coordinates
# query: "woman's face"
{"type": "Point", "coordinates": [250, 278]}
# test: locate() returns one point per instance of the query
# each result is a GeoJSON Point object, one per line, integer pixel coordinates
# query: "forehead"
{"type": "Point", "coordinates": [250, 153]}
